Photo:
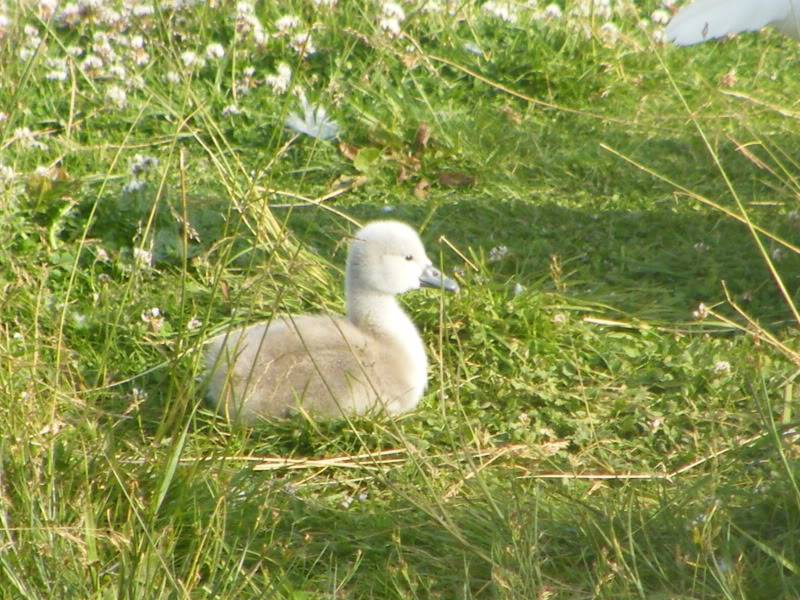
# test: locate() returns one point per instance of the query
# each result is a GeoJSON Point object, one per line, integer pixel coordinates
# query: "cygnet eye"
{"type": "Point", "coordinates": [409, 257]}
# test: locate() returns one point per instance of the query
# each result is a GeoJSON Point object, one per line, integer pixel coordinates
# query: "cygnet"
{"type": "Point", "coordinates": [327, 365]}
{"type": "Point", "coordinates": [704, 20]}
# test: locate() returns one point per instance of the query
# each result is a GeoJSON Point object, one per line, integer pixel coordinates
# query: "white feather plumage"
{"type": "Point", "coordinates": [705, 20]}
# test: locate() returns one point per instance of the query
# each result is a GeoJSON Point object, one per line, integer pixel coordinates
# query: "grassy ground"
{"type": "Point", "coordinates": [584, 435]}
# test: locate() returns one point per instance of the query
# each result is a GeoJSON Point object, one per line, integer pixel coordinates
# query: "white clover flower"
{"type": "Point", "coordinates": [245, 8]}
{"type": "Point", "coordinates": [5, 25]}
{"type": "Point", "coordinates": [559, 319]}
{"type": "Point", "coordinates": [659, 36]}
{"type": "Point", "coordinates": [497, 254]}
{"type": "Point", "coordinates": [47, 9]}
{"type": "Point", "coordinates": [133, 186]}
{"type": "Point", "coordinates": [231, 111]}
{"type": "Point", "coordinates": [118, 72]}
{"type": "Point", "coordinates": [58, 69]}
{"type": "Point", "coordinates": [25, 53]}
{"type": "Point", "coordinates": [141, 11]}
{"type": "Point", "coordinates": [393, 10]}
{"type": "Point", "coordinates": [701, 312]}
{"type": "Point", "coordinates": [609, 33]}
{"type": "Point", "coordinates": [137, 42]}
{"type": "Point", "coordinates": [191, 60]}
{"type": "Point", "coordinates": [172, 77]}
{"type": "Point", "coordinates": [69, 15]}
{"type": "Point", "coordinates": [74, 51]}
{"type": "Point", "coordinates": [101, 254]}
{"type": "Point", "coordinates": [141, 165]}
{"type": "Point", "coordinates": [390, 25]}
{"type": "Point", "coordinates": [7, 177]}
{"type": "Point", "coordinates": [314, 122]}
{"type": "Point", "coordinates": [117, 96]}
{"type": "Point", "coordinates": [286, 23]}
{"type": "Point", "coordinates": [150, 314]}
{"type": "Point", "coordinates": [281, 80]}
{"type": "Point", "coordinates": [3, 117]}
{"type": "Point", "coordinates": [660, 16]}
{"type": "Point", "coordinates": [215, 51]}
{"type": "Point", "coordinates": [142, 258]}
{"type": "Point", "coordinates": [92, 65]}
{"type": "Point", "coordinates": [722, 367]}
{"type": "Point", "coordinates": [518, 289]}
{"type": "Point", "coordinates": [303, 44]}
{"type": "Point", "coordinates": [26, 138]}
{"type": "Point", "coordinates": [194, 324]}
{"type": "Point", "coordinates": [505, 11]}
{"type": "Point", "coordinates": [552, 12]}
{"type": "Point", "coordinates": [325, 3]}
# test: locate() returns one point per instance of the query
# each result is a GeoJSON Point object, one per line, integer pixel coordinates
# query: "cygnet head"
{"type": "Point", "coordinates": [387, 257]}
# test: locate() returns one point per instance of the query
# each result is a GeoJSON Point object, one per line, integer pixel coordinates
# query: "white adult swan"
{"type": "Point", "coordinates": [704, 20]}
{"type": "Point", "coordinates": [373, 359]}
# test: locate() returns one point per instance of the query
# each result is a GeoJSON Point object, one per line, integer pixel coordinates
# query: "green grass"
{"type": "Point", "coordinates": [582, 436]}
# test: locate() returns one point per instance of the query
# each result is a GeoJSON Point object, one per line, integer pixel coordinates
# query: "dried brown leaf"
{"type": "Point", "coordinates": [454, 179]}
{"type": "Point", "coordinates": [421, 189]}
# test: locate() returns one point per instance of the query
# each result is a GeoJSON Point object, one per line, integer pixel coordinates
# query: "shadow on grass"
{"type": "Point", "coordinates": [510, 539]}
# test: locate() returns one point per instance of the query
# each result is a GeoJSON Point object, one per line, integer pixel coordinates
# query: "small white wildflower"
{"type": "Point", "coordinates": [325, 3]}
{"type": "Point", "coordinates": [192, 60]}
{"type": "Point", "coordinates": [722, 367]}
{"type": "Point", "coordinates": [3, 117]}
{"type": "Point", "coordinates": [26, 138]}
{"type": "Point", "coordinates": [117, 96]}
{"type": "Point", "coordinates": [346, 502]}
{"type": "Point", "coordinates": [668, 4]}
{"type": "Point", "coordinates": [518, 289]}
{"type": "Point", "coordinates": [659, 36]}
{"type": "Point", "coordinates": [69, 15]}
{"type": "Point", "coordinates": [559, 319]}
{"type": "Point", "coordinates": [778, 254]}
{"type": "Point", "coordinates": [118, 72]}
{"type": "Point", "coordinates": [497, 254]}
{"type": "Point", "coordinates": [303, 44]}
{"type": "Point", "coordinates": [57, 75]}
{"type": "Point", "coordinates": [47, 9]}
{"type": "Point", "coordinates": [25, 54]}
{"type": "Point", "coordinates": [74, 51]}
{"type": "Point", "coordinates": [215, 51]}
{"type": "Point", "coordinates": [643, 25]}
{"type": "Point", "coordinates": [138, 395]}
{"type": "Point", "coordinates": [151, 313]}
{"type": "Point", "coordinates": [101, 254]}
{"type": "Point", "coordinates": [286, 23]}
{"type": "Point", "coordinates": [142, 258]}
{"type": "Point", "coordinates": [504, 11]}
{"type": "Point", "coordinates": [44, 172]}
{"type": "Point", "coordinates": [18, 336]}
{"type": "Point", "coordinates": [701, 247]}
{"type": "Point", "coordinates": [172, 77]}
{"type": "Point", "coordinates": [393, 10]}
{"type": "Point", "coordinates": [314, 122]}
{"type": "Point", "coordinates": [609, 33]}
{"type": "Point", "coordinates": [7, 177]}
{"type": "Point", "coordinates": [701, 312]}
{"type": "Point", "coordinates": [5, 25]}
{"type": "Point", "coordinates": [141, 164]}
{"type": "Point", "coordinates": [142, 11]}
{"type": "Point", "coordinates": [31, 33]}
{"type": "Point", "coordinates": [281, 80]}
{"type": "Point", "coordinates": [194, 324]}
{"type": "Point", "coordinates": [245, 8]}
{"type": "Point", "coordinates": [133, 186]}
{"type": "Point", "coordinates": [231, 111]}
{"type": "Point", "coordinates": [92, 65]}
{"type": "Point", "coordinates": [552, 12]}
{"type": "Point", "coordinates": [390, 25]}
{"type": "Point", "coordinates": [660, 16]}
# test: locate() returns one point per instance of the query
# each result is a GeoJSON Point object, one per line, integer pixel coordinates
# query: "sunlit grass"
{"type": "Point", "coordinates": [584, 433]}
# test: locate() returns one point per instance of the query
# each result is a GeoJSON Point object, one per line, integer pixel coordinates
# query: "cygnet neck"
{"type": "Point", "coordinates": [376, 312]}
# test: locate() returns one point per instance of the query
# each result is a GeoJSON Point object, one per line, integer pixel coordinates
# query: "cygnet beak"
{"type": "Point", "coordinates": [432, 277]}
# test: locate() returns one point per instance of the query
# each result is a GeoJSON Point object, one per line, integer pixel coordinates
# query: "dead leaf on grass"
{"type": "Point", "coordinates": [421, 189]}
{"type": "Point", "coordinates": [454, 179]}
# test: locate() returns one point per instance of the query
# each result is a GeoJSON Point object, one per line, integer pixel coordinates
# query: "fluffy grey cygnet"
{"type": "Point", "coordinates": [372, 359]}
